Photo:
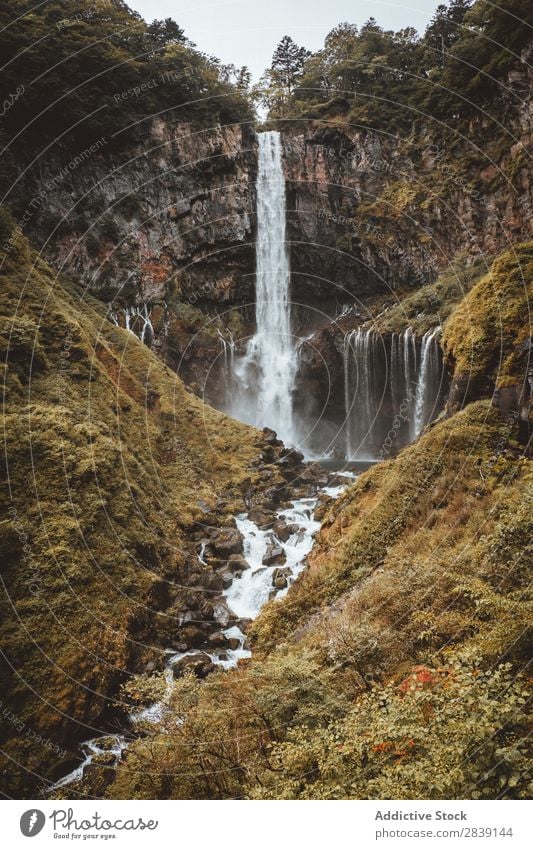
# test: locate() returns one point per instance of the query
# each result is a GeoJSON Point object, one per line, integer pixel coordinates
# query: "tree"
{"type": "Point", "coordinates": [444, 29]}
{"type": "Point", "coordinates": [161, 33]}
{"type": "Point", "coordinates": [288, 64]}
{"type": "Point", "coordinates": [232, 75]}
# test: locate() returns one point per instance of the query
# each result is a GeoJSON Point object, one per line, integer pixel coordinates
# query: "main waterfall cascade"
{"type": "Point", "coordinates": [391, 383]}
{"type": "Point", "coordinates": [393, 387]}
{"type": "Point", "coordinates": [264, 376]}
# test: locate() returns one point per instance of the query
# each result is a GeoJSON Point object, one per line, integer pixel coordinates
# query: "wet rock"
{"type": "Point", "coordinates": [218, 640]}
{"type": "Point", "coordinates": [290, 457]}
{"type": "Point", "coordinates": [271, 437]}
{"type": "Point", "coordinates": [321, 510]}
{"type": "Point", "coordinates": [200, 664]}
{"type": "Point", "coordinates": [222, 614]}
{"type": "Point", "coordinates": [271, 497]}
{"type": "Point", "coordinates": [191, 636]}
{"type": "Point", "coordinates": [274, 554]}
{"type": "Point", "coordinates": [284, 530]}
{"type": "Point", "coordinates": [215, 583]}
{"type": "Point", "coordinates": [338, 480]}
{"type": "Point", "coordinates": [280, 578]}
{"type": "Point", "coordinates": [237, 563]}
{"type": "Point", "coordinates": [234, 643]}
{"type": "Point", "coordinates": [226, 541]}
{"type": "Point", "coordinates": [227, 580]}
{"type": "Point", "coordinates": [262, 518]}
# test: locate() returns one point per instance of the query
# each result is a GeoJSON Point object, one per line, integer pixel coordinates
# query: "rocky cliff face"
{"type": "Point", "coordinates": [162, 232]}
{"type": "Point", "coordinates": [369, 211]}
{"type": "Point", "coordinates": [172, 215]}
{"type": "Point", "coordinates": [165, 235]}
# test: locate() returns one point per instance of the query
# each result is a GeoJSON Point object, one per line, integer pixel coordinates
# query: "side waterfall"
{"type": "Point", "coordinates": [265, 374]}
{"type": "Point", "coordinates": [392, 389]}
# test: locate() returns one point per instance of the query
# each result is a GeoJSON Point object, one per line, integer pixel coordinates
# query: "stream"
{"type": "Point", "coordinates": [245, 598]}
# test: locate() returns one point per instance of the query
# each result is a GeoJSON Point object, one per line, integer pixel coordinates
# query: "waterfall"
{"type": "Point", "coordinates": [392, 388]}
{"type": "Point", "coordinates": [228, 358]}
{"type": "Point", "coordinates": [348, 400]}
{"type": "Point", "coordinates": [137, 320]}
{"type": "Point", "coordinates": [361, 390]}
{"type": "Point", "coordinates": [265, 374]}
{"type": "Point", "coordinates": [429, 365]}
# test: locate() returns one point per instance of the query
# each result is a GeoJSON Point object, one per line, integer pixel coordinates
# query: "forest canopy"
{"type": "Point", "coordinates": [457, 65]}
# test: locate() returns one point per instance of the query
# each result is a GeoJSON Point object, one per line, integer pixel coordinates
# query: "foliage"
{"type": "Point", "coordinates": [403, 680]}
{"type": "Point", "coordinates": [216, 738]}
{"type": "Point", "coordinates": [92, 73]}
{"type": "Point", "coordinates": [448, 732]}
{"type": "Point", "coordinates": [487, 332]}
{"type": "Point", "coordinates": [276, 87]}
{"type": "Point", "coordinates": [391, 80]}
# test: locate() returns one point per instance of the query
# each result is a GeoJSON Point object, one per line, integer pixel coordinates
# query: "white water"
{"type": "Point", "coordinates": [428, 365]}
{"type": "Point", "coordinates": [388, 388]}
{"type": "Point", "coordinates": [137, 320]}
{"type": "Point", "coordinates": [90, 748]}
{"type": "Point", "coordinates": [409, 366]}
{"type": "Point", "coordinates": [247, 594]}
{"type": "Point", "coordinates": [265, 374]}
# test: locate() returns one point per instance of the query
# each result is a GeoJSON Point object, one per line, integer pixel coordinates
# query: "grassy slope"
{"type": "Point", "coordinates": [395, 665]}
{"type": "Point", "coordinates": [107, 458]}
{"type": "Point", "coordinates": [486, 334]}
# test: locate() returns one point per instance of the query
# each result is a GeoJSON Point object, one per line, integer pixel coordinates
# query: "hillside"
{"type": "Point", "coordinates": [110, 462]}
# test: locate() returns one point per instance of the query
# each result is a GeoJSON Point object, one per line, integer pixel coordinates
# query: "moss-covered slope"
{"type": "Point", "coordinates": [108, 461]}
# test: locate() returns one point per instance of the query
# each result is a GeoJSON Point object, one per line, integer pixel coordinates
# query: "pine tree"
{"type": "Point", "coordinates": [288, 63]}
{"type": "Point", "coordinates": [444, 29]}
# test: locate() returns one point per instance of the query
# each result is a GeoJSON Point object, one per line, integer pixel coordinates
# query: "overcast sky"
{"type": "Point", "coordinates": [246, 32]}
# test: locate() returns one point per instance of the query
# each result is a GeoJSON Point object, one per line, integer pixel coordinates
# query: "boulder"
{"type": "Point", "coordinates": [215, 583]}
{"type": "Point", "coordinates": [284, 530]}
{"type": "Point", "coordinates": [199, 663]}
{"type": "Point", "coordinates": [191, 636]}
{"type": "Point", "coordinates": [321, 510]}
{"type": "Point", "coordinates": [290, 457]}
{"type": "Point", "coordinates": [271, 497]}
{"type": "Point", "coordinates": [233, 643]}
{"type": "Point", "coordinates": [273, 555]}
{"type": "Point", "coordinates": [271, 436]}
{"type": "Point", "coordinates": [226, 541]}
{"type": "Point", "coordinates": [222, 614]}
{"type": "Point", "coordinates": [237, 563]}
{"type": "Point", "coordinates": [280, 578]}
{"type": "Point", "coordinates": [227, 580]}
{"type": "Point", "coordinates": [262, 518]}
{"type": "Point", "coordinates": [218, 640]}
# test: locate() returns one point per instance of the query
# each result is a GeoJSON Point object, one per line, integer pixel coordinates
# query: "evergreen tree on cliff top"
{"type": "Point", "coordinates": [288, 63]}
{"type": "Point", "coordinates": [276, 87]}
